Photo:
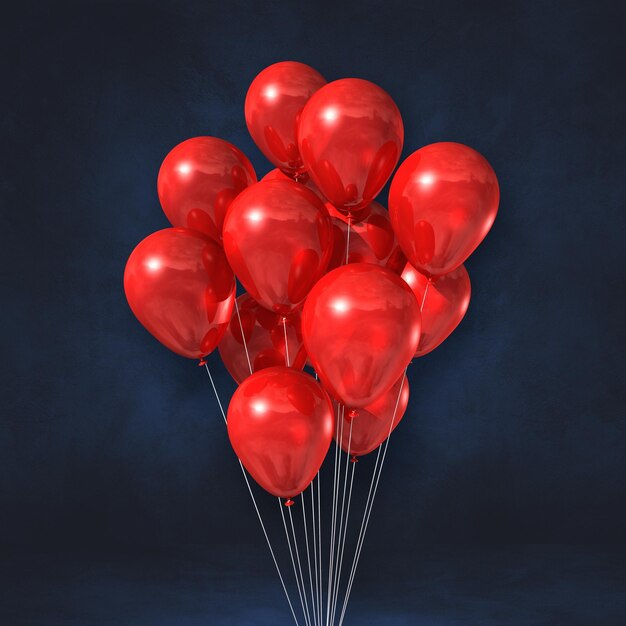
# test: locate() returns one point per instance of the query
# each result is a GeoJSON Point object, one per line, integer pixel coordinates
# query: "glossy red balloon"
{"type": "Point", "coordinates": [444, 305]}
{"type": "Point", "coordinates": [280, 424]}
{"type": "Point", "coordinates": [263, 337]}
{"type": "Point", "coordinates": [181, 288]}
{"type": "Point", "coordinates": [273, 106]}
{"type": "Point", "coordinates": [199, 179]}
{"type": "Point", "coordinates": [443, 201]}
{"type": "Point", "coordinates": [371, 241]}
{"type": "Point", "coordinates": [278, 240]}
{"type": "Point", "coordinates": [350, 137]}
{"type": "Point", "coordinates": [370, 426]}
{"type": "Point", "coordinates": [361, 327]}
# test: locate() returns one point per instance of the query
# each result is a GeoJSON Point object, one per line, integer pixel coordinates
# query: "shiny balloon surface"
{"type": "Point", "coordinates": [278, 240]}
{"type": "Point", "coordinates": [273, 106]}
{"type": "Point", "coordinates": [199, 179]}
{"type": "Point", "coordinates": [361, 327]}
{"type": "Point", "coordinates": [350, 137]}
{"type": "Point", "coordinates": [442, 202]}
{"type": "Point", "coordinates": [181, 288]}
{"type": "Point", "coordinates": [280, 424]}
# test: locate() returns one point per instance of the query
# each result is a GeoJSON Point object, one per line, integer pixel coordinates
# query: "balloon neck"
{"type": "Point", "coordinates": [289, 502]}
{"type": "Point", "coordinates": [283, 319]}
{"type": "Point", "coordinates": [201, 362]}
{"type": "Point", "coordinates": [301, 177]}
{"type": "Point", "coordinates": [354, 459]}
{"type": "Point", "coordinates": [352, 413]}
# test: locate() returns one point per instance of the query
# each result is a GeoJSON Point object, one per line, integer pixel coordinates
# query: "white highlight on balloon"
{"type": "Point", "coordinates": [341, 305]}
{"type": "Point", "coordinates": [184, 169]}
{"type": "Point", "coordinates": [271, 93]}
{"type": "Point", "coordinates": [330, 114]}
{"type": "Point", "coordinates": [153, 264]}
{"type": "Point", "coordinates": [255, 216]}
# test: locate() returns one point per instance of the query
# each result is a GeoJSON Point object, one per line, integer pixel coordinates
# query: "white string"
{"type": "Point", "coordinates": [425, 292]}
{"type": "Point", "coordinates": [295, 545]}
{"type": "Point", "coordinates": [366, 508]}
{"type": "Point", "coordinates": [308, 558]}
{"type": "Point", "coordinates": [345, 528]}
{"type": "Point", "coordinates": [256, 508]}
{"type": "Point", "coordinates": [314, 533]}
{"type": "Point", "coordinates": [332, 523]}
{"type": "Point", "coordinates": [293, 562]}
{"type": "Point", "coordinates": [243, 337]}
{"type": "Point", "coordinates": [380, 470]}
{"type": "Point", "coordinates": [286, 342]}
{"type": "Point", "coordinates": [348, 239]}
{"type": "Point", "coordinates": [343, 503]}
{"type": "Point", "coordinates": [319, 547]}
{"type": "Point", "coordinates": [335, 537]}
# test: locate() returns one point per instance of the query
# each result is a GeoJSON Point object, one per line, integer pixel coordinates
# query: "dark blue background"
{"type": "Point", "coordinates": [121, 501]}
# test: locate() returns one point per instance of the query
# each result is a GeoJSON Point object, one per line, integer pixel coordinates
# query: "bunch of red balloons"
{"type": "Point", "coordinates": [331, 276]}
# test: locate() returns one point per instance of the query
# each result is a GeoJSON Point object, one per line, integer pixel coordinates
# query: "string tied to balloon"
{"type": "Point", "coordinates": [428, 284]}
{"type": "Point", "coordinates": [352, 413]}
{"type": "Point", "coordinates": [284, 322]}
{"type": "Point", "coordinates": [289, 502]}
{"type": "Point", "coordinates": [348, 239]}
{"type": "Point", "coordinates": [354, 459]}
{"type": "Point", "coordinates": [202, 362]}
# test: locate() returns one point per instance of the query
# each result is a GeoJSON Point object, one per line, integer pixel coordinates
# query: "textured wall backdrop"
{"type": "Point", "coordinates": [516, 430]}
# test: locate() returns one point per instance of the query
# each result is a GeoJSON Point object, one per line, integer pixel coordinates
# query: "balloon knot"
{"type": "Point", "coordinates": [289, 502]}
{"type": "Point", "coordinates": [201, 363]}
{"type": "Point", "coordinates": [352, 413]}
{"type": "Point", "coordinates": [354, 459]}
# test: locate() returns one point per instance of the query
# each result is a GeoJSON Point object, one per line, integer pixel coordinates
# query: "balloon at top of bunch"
{"type": "Point", "coordinates": [198, 180]}
{"type": "Point", "coordinates": [350, 137]}
{"type": "Point", "coordinates": [274, 102]}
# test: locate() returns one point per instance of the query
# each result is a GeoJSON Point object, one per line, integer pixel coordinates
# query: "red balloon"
{"type": "Point", "coordinates": [280, 424]}
{"type": "Point", "coordinates": [444, 305]}
{"type": "Point", "coordinates": [273, 106]}
{"type": "Point", "coordinates": [361, 327]}
{"type": "Point", "coordinates": [443, 201]}
{"type": "Point", "coordinates": [264, 338]}
{"type": "Point", "coordinates": [370, 426]}
{"type": "Point", "coordinates": [199, 179]}
{"type": "Point", "coordinates": [278, 240]}
{"type": "Point", "coordinates": [350, 137]}
{"type": "Point", "coordinates": [181, 288]}
{"type": "Point", "coordinates": [371, 241]}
